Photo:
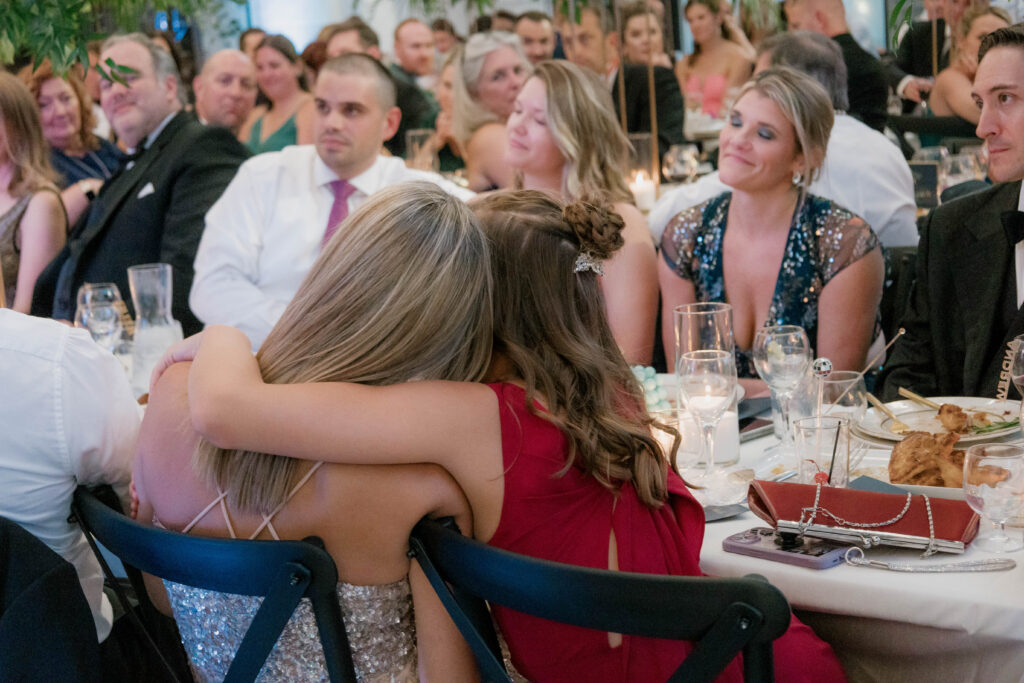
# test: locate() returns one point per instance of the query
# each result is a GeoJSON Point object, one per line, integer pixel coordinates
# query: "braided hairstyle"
{"type": "Point", "coordinates": [549, 323]}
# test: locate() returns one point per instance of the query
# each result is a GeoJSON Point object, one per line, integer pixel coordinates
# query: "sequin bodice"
{"type": "Point", "coordinates": [378, 620]}
{"type": "Point", "coordinates": [824, 238]}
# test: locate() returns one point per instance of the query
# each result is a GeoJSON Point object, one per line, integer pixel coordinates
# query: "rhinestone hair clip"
{"type": "Point", "coordinates": [586, 261]}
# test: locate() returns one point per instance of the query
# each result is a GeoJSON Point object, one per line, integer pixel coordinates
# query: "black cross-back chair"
{"type": "Point", "coordinates": [722, 617]}
{"type": "Point", "coordinates": [282, 571]}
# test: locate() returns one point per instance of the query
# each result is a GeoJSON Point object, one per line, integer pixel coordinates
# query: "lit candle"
{"type": "Point", "coordinates": [644, 190]}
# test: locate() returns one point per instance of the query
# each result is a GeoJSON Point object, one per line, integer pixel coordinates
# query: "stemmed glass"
{"type": "Point", "coordinates": [782, 355]}
{"type": "Point", "coordinates": [707, 386]}
{"type": "Point", "coordinates": [994, 488]}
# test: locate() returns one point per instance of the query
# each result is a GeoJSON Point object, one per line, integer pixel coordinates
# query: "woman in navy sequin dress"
{"type": "Point", "coordinates": [788, 257]}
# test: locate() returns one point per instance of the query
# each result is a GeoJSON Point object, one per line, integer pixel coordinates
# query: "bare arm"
{"type": "Point", "coordinates": [75, 201]}
{"type": "Point", "coordinates": [485, 159]}
{"type": "Point", "coordinates": [952, 96]}
{"type": "Point", "coordinates": [630, 287]}
{"type": "Point", "coordinates": [847, 310]}
{"type": "Point", "coordinates": [304, 122]}
{"type": "Point", "coordinates": [42, 233]}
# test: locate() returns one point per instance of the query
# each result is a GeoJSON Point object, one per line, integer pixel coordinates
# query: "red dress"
{"type": "Point", "coordinates": [569, 519]}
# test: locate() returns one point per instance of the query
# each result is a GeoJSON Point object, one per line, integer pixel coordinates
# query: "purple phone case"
{"type": "Point", "coordinates": [760, 542]}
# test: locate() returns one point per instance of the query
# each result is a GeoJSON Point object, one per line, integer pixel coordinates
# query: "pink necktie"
{"type": "Point", "coordinates": [342, 190]}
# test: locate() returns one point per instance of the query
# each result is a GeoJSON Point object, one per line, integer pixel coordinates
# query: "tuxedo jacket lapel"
{"type": "Point", "coordinates": [113, 196]}
{"type": "Point", "coordinates": [987, 262]}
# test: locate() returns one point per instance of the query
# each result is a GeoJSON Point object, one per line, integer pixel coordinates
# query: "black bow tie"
{"type": "Point", "coordinates": [1013, 224]}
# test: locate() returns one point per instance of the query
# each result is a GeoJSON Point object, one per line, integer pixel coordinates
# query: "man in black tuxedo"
{"type": "Point", "coordinates": [865, 81]}
{"type": "Point", "coordinates": [151, 211]}
{"type": "Point", "coordinates": [910, 74]}
{"type": "Point", "coordinates": [966, 308]}
{"type": "Point", "coordinates": [593, 44]}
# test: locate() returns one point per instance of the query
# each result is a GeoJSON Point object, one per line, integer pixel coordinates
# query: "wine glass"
{"type": "Point", "coordinates": [103, 320]}
{"type": "Point", "coordinates": [782, 355]}
{"type": "Point", "coordinates": [680, 163]}
{"type": "Point", "coordinates": [994, 488]}
{"type": "Point", "coordinates": [702, 326]}
{"type": "Point", "coordinates": [1017, 367]}
{"type": "Point", "coordinates": [707, 386]}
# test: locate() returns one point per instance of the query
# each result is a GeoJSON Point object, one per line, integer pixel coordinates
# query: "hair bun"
{"type": "Point", "coordinates": [599, 230]}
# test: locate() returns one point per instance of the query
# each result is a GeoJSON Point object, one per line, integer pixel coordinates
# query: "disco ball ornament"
{"type": "Point", "coordinates": [822, 367]}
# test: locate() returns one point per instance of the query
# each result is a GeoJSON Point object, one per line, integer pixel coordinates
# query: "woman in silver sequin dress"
{"type": "Point", "coordinates": [402, 294]}
{"type": "Point", "coordinates": [787, 257]}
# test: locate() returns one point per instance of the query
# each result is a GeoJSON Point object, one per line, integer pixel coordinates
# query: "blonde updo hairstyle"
{"type": "Point", "coordinates": [470, 115]}
{"type": "Point", "coordinates": [580, 112]}
{"type": "Point", "coordinates": [401, 292]}
{"type": "Point", "coordinates": [550, 324]}
{"type": "Point", "coordinates": [806, 105]}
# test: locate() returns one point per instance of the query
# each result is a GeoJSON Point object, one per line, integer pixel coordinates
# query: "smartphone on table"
{"type": "Point", "coordinates": [763, 542]}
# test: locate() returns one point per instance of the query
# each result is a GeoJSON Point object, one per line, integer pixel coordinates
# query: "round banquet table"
{"type": "Point", "coordinates": [893, 626]}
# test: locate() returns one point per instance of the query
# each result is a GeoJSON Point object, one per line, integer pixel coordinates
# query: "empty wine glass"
{"type": "Point", "coordinates": [782, 354]}
{"type": "Point", "coordinates": [707, 386]}
{"type": "Point", "coordinates": [103, 320]}
{"type": "Point", "coordinates": [994, 488]}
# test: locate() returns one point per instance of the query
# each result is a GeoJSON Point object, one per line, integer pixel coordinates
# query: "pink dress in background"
{"type": "Point", "coordinates": [569, 519]}
{"type": "Point", "coordinates": [712, 92]}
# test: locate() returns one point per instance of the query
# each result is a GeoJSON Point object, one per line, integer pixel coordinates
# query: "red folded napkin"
{"type": "Point", "coordinates": [774, 501]}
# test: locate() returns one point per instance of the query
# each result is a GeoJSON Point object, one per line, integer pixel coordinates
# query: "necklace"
{"type": "Point", "coordinates": [90, 171]}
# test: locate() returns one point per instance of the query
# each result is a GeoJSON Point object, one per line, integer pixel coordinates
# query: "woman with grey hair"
{"type": "Point", "coordinates": [489, 73]}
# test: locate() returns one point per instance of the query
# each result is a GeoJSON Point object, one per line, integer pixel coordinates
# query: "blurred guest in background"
{"type": "Point", "coordinates": [593, 43]}
{"type": "Point", "coordinates": [865, 82]}
{"type": "Point", "coordinates": [716, 63]}
{"type": "Point", "coordinates": [250, 40]}
{"type": "Point", "coordinates": [225, 90]}
{"type": "Point", "coordinates": [537, 34]}
{"type": "Point", "coordinates": [951, 95]}
{"type": "Point", "coordinates": [776, 253]}
{"type": "Point", "coordinates": [33, 225]}
{"type": "Point", "coordinates": [641, 36]}
{"type": "Point", "coordinates": [82, 160]}
{"type": "Point", "coordinates": [503, 20]}
{"type": "Point", "coordinates": [558, 112]}
{"type": "Point", "coordinates": [288, 119]}
{"type": "Point", "coordinates": [313, 57]}
{"type": "Point", "coordinates": [445, 37]}
{"type": "Point", "coordinates": [414, 51]}
{"type": "Point", "coordinates": [488, 75]}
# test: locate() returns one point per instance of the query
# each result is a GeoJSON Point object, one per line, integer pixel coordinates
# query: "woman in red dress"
{"type": "Point", "coordinates": [555, 455]}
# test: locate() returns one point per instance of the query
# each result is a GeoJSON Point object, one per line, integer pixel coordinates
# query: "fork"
{"type": "Point", "coordinates": [896, 427]}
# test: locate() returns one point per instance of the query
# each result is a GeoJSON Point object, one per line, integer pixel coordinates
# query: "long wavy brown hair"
{"type": "Point", "coordinates": [549, 323]}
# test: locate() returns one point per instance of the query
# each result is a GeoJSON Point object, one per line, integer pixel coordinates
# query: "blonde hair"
{"type": "Point", "coordinates": [971, 15]}
{"type": "Point", "coordinates": [579, 112]}
{"type": "Point", "coordinates": [469, 114]}
{"type": "Point", "coordinates": [23, 141]}
{"type": "Point", "coordinates": [549, 322]}
{"type": "Point", "coordinates": [805, 104]}
{"type": "Point", "coordinates": [402, 292]}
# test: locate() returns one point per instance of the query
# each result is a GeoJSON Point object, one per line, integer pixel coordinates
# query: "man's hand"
{"type": "Point", "coordinates": [917, 88]}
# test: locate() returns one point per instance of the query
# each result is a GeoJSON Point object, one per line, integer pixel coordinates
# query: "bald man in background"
{"type": "Point", "coordinates": [225, 90]}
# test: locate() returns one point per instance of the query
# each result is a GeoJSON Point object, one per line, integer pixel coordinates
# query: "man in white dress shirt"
{"type": "Point", "coordinates": [863, 171]}
{"type": "Point", "coordinates": [67, 417]}
{"type": "Point", "coordinates": [268, 227]}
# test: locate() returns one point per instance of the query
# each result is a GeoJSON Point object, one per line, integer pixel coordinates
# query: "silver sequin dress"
{"type": "Point", "coordinates": [824, 238]}
{"type": "Point", "coordinates": [378, 620]}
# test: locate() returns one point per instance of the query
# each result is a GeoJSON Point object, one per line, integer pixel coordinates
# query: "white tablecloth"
{"type": "Point", "coordinates": [890, 626]}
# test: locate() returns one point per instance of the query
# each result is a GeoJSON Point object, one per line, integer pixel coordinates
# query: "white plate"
{"type": "Point", "coordinates": [876, 425]}
{"type": "Point", "coordinates": [876, 464]}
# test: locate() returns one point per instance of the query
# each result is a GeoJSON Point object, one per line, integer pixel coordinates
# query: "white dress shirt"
{"type": "Point", "coordinates": [67, 417]}
{"type": "Point", "coordinates": [863, 172]}
{"type": "Point", "coordinates": [265, 231]}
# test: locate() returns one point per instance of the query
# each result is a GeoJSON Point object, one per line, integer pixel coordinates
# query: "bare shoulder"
{"type": "Point", "coordinates": [488, 136]}
{"type": "Point", "coordinates": [43, 204]}
{"type": "Point", "coordinates": [635, 229]}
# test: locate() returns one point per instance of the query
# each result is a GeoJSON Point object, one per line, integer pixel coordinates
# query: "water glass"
{"type": "Point", "coordinates": [103, 321]}
{"type": "Point", "coordinates": [782, 355]}
{"type": "Point", "coordinates": [420, 152]}
{"type": "Point", "coordinates": [823, 450]}
{"type": "Point", "coordinates": [994, 488]}
{"type": "Point", "coordinates": [702, 326]}
{"type": "Point", "coordinates": [842, 393]}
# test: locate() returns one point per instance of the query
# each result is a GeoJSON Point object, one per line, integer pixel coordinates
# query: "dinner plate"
{"type": "Point", "coordinates": [876, 464]}
{"type": "Point", "coordinates": [876, 425]}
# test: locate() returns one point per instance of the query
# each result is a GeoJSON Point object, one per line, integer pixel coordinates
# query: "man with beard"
{"type": "Point", "coordinates": [264, 233]}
